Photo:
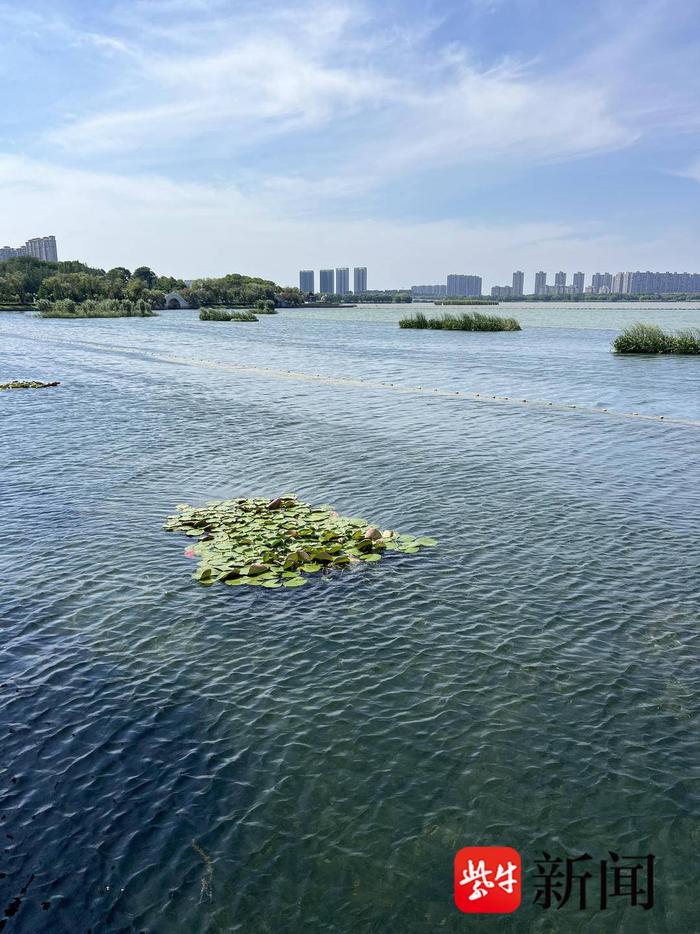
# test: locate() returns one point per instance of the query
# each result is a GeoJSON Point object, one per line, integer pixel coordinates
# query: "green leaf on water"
{"type": "Point", "coordinates": [243, 542]}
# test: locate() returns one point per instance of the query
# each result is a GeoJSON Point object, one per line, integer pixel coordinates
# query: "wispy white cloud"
{"type": "Point", "coordinates": [247, 79]}
{"type": "Point", "coordinates": [692, 170]}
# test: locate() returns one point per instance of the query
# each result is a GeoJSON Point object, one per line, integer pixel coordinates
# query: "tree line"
{"type": "Point", "coordinates": [25, 281]}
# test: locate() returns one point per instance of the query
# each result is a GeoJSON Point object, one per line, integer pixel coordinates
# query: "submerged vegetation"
{"type": "Point", "coordinates": [275, 543]}
{"type": "Point", "coordinates": [26, 384]}
{"type": "Point", "coordinates": [467, 321]}
{"type": "Point", "coordinates": [220, 314]}
{"type": "Point", "coordinates": [650, 339]}
{"type": "Point", "coordinates": [93, 308]}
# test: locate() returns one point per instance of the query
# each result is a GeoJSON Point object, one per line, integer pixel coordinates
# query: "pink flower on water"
{"type": "Point", "coordinates": [189, 553]}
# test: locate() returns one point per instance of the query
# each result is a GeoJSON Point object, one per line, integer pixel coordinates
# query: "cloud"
{"type": "Point", "coordinates": [691, 171]}
{"type": "Point", "coordinates": [250, 88]}
{"type": "Point", "coordinates": [245, 80]}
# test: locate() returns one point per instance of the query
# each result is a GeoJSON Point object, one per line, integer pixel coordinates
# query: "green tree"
{"type": "Point", "coordinates": [119, 274]}
{"type": "Point", "coordinates": [146, 275]}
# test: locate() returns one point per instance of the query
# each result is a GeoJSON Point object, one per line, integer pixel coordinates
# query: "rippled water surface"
{"type": "Point", "coordinates": [182, 759]}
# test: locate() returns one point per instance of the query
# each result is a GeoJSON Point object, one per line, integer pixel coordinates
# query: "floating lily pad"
{"type": "Point", "coordinates": [275, 543]}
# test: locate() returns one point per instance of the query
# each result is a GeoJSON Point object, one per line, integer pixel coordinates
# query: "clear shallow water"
{"type": "Point", "coordinates": [532, 681]}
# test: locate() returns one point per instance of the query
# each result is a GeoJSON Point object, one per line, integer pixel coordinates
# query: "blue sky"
{"type": "Point", "coordinates": [417, 138]}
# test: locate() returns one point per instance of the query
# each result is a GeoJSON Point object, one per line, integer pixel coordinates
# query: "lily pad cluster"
{"type": "Point", "coordinates": [276, 543]}
{"type": "Point", "coordinates": [26, 384]}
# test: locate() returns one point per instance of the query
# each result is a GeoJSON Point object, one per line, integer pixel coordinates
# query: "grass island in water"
{"type": "Point", "coordinates": [262, 307]}
{"type": "Point", "coordinates": [650, 339]}
{"type": "Point", "coordinates": [467, 321]}
{"type": "Point", "coordinates": [220, 314]}
{"type": "Point", "coordinates": [26, 384]}
{"type": "Point", "coordinates": [95, 308]}
{"type": "Point", "coordinates": [274, 543]}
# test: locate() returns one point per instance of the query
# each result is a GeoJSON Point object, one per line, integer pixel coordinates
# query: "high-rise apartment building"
{"type": "Point", "coordinates": [601, 282]}
{"type": "Point", "coordinates": [306, 280]}
{"type": "Point", "coordinates": [653, 283]}
{"type": "Point", "coordinates": [459, 286]}
{"type": "Point", "coordinates": [579, 279]}
{"type": "Point", "coordinates": [38, 247]}
{"type": "Point", "coordinates": [518, 287]}
{"type": "Point", "coordinates": [540, 283]}
{"type": "Point", "coordinates": [327, 282]}
{"type": "Point", "coordinates": [617, 283]}
{"type": "Point", "coordinates": [359, 279]}
{"type": "Point", "coordinates": [342, 280]}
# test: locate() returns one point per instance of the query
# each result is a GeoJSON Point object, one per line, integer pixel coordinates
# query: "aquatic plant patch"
{"type": "Point", "coordinates": [651, 339]}
{"type": "Point", "coordinates": [26, 384]}
{"type": "Point", "coordinates": [467, 321]}
{"type": "Point", "coordinates": [95, 308]}
{"type": "Point", "coordinates": [276, 543]}
{"type": "Point", "coordinates": [219, 314]}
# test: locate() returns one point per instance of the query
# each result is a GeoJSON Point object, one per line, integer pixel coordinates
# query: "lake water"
{"type": "Point", "coordinates": [187, 759]}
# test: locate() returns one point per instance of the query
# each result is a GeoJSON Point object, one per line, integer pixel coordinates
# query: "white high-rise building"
{"type": "Point", "coordinates": [540, 283]}
{"type": "Point", "coordinates": [618, 283]}
{"type": "Point", "coordinates": [38, 247]}
{"type": "Point", "coordinates": [579, 279]}
{"type": "Point", "coordinates": [518, 287]}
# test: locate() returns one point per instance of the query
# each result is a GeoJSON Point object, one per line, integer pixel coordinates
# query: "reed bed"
{"type": "Point", "coordinates": [219, 314]}
{"type": "Point", "coordinates": [95, 308]}
{"type": "Point", "coordinates": [467, 321]}
{"type": "Point", "coordinates": [651, 339]}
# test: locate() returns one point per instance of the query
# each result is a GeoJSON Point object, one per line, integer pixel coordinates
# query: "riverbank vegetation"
{"type": "Point", "coordinates": [26, 384]}
{"type": "Point", "coordinates": [275, 543]}
{"type": "Point", "coordinates": [651, 339]}
{"type": "Point", "coordinates": [467, 321]}
{"type": "Point", "coordinates": [24, 280]}
{"type": "Point", "coordinates": [221, 314]}
{"type": "Point", "coordinates": [93, 308]}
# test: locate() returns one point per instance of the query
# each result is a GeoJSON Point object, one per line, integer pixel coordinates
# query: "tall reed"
{"type": "Point", "coordinates": [651, 339]}
{"type": "Point", "coordinates": [467, 321]}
